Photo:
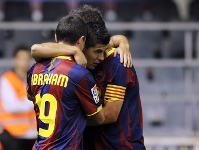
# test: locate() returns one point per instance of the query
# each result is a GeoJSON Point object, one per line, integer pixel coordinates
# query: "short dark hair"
{"type": "Point", "coordinates": [97, 34]}
{"type": "Point", "coordinates": [70, 29]}
{"type": "Point", "coordinates": [20, 48]}
{"type": "Point", "coordinates": [97, 31]}
{"type": "Point", "coordinates": [89, 14]}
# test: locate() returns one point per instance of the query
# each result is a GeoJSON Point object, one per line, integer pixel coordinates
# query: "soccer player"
{"type": "Point", "coordinates": [64, 93]}
{"type": "Point", "coordinates": [118, 86]}
{"type": "Point", "coordinates": [123, 126]}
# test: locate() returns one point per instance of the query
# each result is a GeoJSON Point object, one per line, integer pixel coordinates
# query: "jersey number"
{"type": "Point", "coordinates": [48, 117]}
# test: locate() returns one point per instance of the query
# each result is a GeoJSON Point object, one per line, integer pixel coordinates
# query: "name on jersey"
{"type": "Point", "coordinates": [52, 79]}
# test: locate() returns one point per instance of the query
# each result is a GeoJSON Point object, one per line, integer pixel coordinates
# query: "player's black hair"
{"type": "Point", "coordinates": [89, 14]}
{"type": "Point", "coordinates": [70, 28]}
{"type": "Point", "coordinates": [97, 31]}
{"type": "Point", "coordinates": [97, 34]}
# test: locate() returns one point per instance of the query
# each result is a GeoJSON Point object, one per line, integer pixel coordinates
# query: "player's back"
{"type": "Point", "coordinates": [61, 120]}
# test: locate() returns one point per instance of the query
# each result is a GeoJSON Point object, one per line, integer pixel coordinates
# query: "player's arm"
{"type": "Point", "coordinates": [87, 94]}
{"type": "Point", "coordinates": [48, 50]}
{"type": "Point", "coordinates": [96, 119]}
{"type": "Point", "coordinates": [119, 79]}
{"type": "Point", "coordinates": [113, 111]}
{"type": "Point", "coordinates": [113, 100]}
{"type": "Point", "coordinates": [122, 44]}
{"type": "Point", "coordinates": [110, 111]}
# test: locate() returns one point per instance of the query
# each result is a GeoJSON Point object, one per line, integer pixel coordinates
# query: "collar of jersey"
{"type": "Point", "coordinates": [110, 52]}
{"type": "Point", "coordinates": [64, 57]}
{"type": "Point", "coordinates": [60, 57]}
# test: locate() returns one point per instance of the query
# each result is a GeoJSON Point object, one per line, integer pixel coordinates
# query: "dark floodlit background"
{"type": "Point", "coordinates": [164, 42]}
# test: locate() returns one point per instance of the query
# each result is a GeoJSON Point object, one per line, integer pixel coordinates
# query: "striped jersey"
{"type": "Point", "coordinates": [64, 94]}
{"type": "Point", "coordinates": [116, 82]}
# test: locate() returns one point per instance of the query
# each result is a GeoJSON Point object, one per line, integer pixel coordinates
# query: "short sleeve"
{"type": "Point", "coordinates": [88, 95]}
{"type": "Point", "coordinates": [118, 79]}
{"type": "Point", "coordinates": [120, 75]}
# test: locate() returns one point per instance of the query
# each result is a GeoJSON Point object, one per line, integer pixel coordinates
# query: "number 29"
{"type": "Point", "coordinates": [48, 119]}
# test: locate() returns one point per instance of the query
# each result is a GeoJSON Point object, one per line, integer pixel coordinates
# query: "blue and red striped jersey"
{"type": "Point", "coordinates": [117, 82]}
{"type": "Point", "coordinates": [64, 94]}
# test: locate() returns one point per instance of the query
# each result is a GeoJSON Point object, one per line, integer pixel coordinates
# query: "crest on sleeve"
{"type": "Point", "coordinates": [95, 94]}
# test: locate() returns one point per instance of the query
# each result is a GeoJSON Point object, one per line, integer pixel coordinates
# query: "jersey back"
{"type": "Point", "coordinates": [63, 93]}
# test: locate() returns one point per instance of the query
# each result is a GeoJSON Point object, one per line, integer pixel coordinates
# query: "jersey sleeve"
{"type": "Point", "coordinates": [118, 79]}
{"type": "Point", "coordinates": [88, 95]}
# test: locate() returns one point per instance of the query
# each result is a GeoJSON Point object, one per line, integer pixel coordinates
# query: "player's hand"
{"type": "Point", "coordinates": [125, 56]}
{"type": "Point", "coordinates": [80, 58]}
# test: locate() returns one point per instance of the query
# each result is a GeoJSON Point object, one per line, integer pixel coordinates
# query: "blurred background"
{"type": "Point", "coordinates": [164, 42]}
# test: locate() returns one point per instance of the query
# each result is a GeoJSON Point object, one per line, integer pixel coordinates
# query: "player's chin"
{"type": "Point", "coordinates": [91, 67]}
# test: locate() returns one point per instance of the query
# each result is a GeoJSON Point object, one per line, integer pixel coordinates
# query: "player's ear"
{"type": "Point", "coordinates": [81, 40]}
{"type": "Point", "coordinates": [55, 37]}
{"type": "Point", "coordinates": [84, 38]}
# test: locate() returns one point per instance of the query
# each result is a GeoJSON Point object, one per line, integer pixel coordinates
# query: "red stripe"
{"type": "Point", "coordinates": [114, 93]}
{"type": "Point", "coordinates": [129, 131]}
{"type": "Point", "coordinates": [130, 77]}
{"type": "Point", "coordinates": [116, 87]}
{"type": "Point", "coordinates": [118, 94]}
{"type": "Point", "coordinates": [119, 98]}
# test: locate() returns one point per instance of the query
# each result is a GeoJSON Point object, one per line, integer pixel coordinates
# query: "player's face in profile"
{"type": "Point", "coordinates": [94, 55]}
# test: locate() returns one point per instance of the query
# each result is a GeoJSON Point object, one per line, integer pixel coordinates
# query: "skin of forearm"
{"type": "Point", "coordinates": [111, 112]}
{"type": "Point", "coordinates": [47, 50]}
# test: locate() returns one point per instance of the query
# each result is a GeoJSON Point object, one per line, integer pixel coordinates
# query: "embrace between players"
{"type": "Point", "coordinates": [92, 108]}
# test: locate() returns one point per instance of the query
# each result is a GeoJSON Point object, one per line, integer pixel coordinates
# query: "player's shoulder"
{"type": "Point", "coordinates": [79, 71]}
{"type": "Point", "coordinates": [32, 67]}
{"type": "Point", "coordinates": [80, 68]}
{"type": "Point", "coordinates": [71, 67]}
{"type": "Point", "coordinates": [115, 61]}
